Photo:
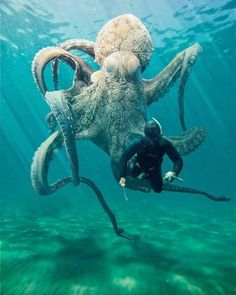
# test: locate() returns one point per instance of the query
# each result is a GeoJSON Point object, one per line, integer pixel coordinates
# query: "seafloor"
{"type": "Point", "coordinates": [177, 252]}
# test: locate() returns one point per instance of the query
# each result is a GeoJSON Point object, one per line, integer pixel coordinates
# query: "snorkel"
{"type": "Point", "coordinates": [153, 130]}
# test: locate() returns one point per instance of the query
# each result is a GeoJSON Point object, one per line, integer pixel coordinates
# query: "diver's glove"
{"type": "Point", "coordinates": [170, 176]}
{"type": "Point", "coordinates": [122, 182]}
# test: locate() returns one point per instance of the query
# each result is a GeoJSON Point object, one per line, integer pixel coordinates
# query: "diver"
{"type": "Point", "coordinates": [143, 159]}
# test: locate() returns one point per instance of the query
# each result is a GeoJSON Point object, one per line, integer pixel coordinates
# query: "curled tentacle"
{"type": "Point", "coordinates": [180, 189]}
{"type": "Point", "coordinates": [82, 73]}
{"type": "Point", "coordinates": [39, 173]}
{"type": "Point", "coordinates": [40, 165]}
{"type": "Point", "coordinates": [60, 109]}
{"type": "Point", "coordinates": [178, 67]}
{"type": "Point", "coordinates": [77, 44]}
{"type": "Point", "coordinates": [189, 58]}
{"type": "Point", "coordinates": [44, 56]}
{"type": "Point", "coordinates": [189, 140]}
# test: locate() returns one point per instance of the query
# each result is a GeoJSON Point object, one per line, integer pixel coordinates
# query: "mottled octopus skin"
{"type": "Point", "coordinates": [124, 33]}
{"type": "Point", "coordinates": [112, 110]}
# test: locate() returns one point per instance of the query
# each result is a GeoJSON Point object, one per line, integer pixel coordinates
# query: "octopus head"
{"type": "Point", "coordinates": [122, 64]}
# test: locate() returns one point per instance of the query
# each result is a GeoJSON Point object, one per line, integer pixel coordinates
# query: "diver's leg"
{"type": "Point", "coordinates": [135, 170]}
{"type": "Point", "coordinates": [155, 179]}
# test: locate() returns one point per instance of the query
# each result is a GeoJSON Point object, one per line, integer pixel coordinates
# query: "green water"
{"type": "Point", "coordinates": [64, 243]}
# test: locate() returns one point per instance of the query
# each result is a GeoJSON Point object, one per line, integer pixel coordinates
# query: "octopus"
{"type": "Point", "coordinates": [109, 106]}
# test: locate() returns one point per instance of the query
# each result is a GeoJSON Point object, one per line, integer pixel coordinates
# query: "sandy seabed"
{"type": "Point", "coordinates": [78, 254]}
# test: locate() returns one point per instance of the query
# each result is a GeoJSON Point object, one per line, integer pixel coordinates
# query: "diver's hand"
{"type": "Point", "coordinates": [122, 182]}
{"type": "Point", "coordinates": [170, 176]}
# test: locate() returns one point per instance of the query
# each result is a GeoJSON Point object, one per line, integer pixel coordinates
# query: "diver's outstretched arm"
{"type": "Point", "coordinates": [181, 189]}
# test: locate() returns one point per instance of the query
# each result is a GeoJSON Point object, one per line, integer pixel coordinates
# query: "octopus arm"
{"type": "Point", "coordinates": [144, 186]}
{"type": "Point", "coordinates": [62, 113]}
{"type": "Point", "coordinates": [44, 56]}
{"type": "Point", "coordinates": [39, 174]}
{"type": "Point", "coordinates": [181, 189]}
{"type": "Point", "coordinates": [79, 44]}
{"type": "Point", "coordinates": [40, 165]}
{"type": "Point", "coordinates": [72, 44]}
{"type": "Point", "coordinates": [179, 67]}
{"type": "Point", "coordinates": [189, 140]}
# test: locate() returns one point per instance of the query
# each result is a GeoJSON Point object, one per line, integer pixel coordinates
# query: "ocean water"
{"type": "Point", "coordinates": [64, 244]}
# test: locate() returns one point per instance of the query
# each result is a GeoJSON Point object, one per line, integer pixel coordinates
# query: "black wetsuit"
{"type": "Point", "coordinates": [146, 157]}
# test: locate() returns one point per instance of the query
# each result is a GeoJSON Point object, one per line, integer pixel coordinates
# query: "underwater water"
{"type": "Point", "coordinates": [64, 243]}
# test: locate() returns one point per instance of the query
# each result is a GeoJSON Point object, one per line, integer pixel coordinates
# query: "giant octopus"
{"type": "Point", "coordinates": [109, 106]}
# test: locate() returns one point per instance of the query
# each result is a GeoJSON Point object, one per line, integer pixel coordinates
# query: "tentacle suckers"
{"type": "Point", "coordinates": [39, 174]}
{"type": "Point", "coordinates": [189, 58]}
{"type": "Point", "coordinates": [180, 189]}
{"type": "Point", "coordinates": [45, 55]}
{"type": "Point", "coordinates": [72, 44]}
{"type": "Point", "coordinates": [189, 140]}
{"type": "Point", "coordinates": [61, 111]}
{"type": "Point", "coordinates": [40, 165]}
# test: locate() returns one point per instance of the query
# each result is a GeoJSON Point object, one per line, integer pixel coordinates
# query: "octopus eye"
{"type": "Point", "coordinates": [121, 63]}
{"type": "Point", "coordinates": [132, 63]}
{"type": "Point", "coordinates": [112, 64]}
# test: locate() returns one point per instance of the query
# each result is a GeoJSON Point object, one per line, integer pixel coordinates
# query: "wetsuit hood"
{"type": "Point", "coordinates": [153, 130]}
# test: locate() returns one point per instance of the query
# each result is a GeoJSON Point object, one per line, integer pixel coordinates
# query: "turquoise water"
{"type": "Point", "coordinates": [64, 243]}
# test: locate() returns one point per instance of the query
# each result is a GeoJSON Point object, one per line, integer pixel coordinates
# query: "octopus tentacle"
{"type": "Point", "coordinates": [189, 58]}
{"type": "Point", "coordinates": [60, 109]}
{"type": "Point", "coordinates": [77, 44]}
{"type": "Point", "coordinates": [118, 231]}
{"type": "Point", "coordinates": [180, 189]}
{"type": "Point", "coordinates": [189, 140]}
{"type": "Point", "coordinates": [44, 56]}
{"type": "Point", "coordinates": [40, 165]}
{"type": "Point", "coordinates": [51, 121]}
{"type": "Point", "coordinates": [39, 172]}
{"type": "Point", "coordinates": [178, 67]}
